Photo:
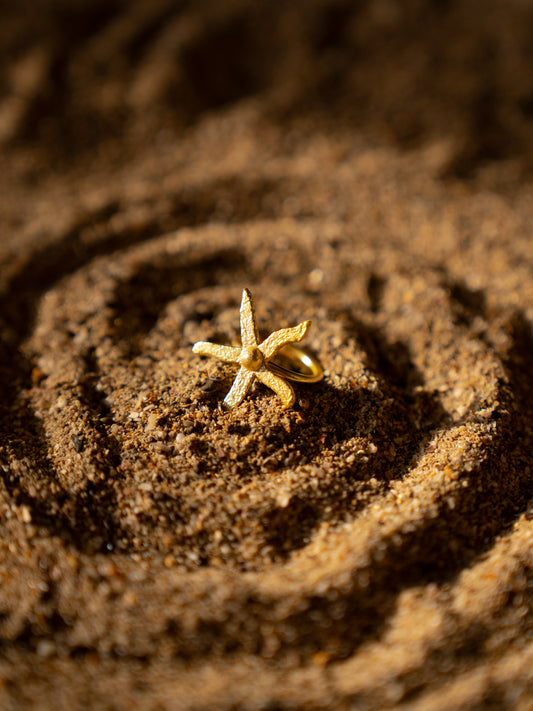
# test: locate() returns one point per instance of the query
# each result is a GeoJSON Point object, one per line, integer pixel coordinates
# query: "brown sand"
{"type": "Point", "coordinates": [365, 165]}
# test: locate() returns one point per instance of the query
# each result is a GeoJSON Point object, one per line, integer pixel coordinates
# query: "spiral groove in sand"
{"type": "Point", "coordinates": [371, 548]}
{"type": "Point", "coordinates": [374, 484]}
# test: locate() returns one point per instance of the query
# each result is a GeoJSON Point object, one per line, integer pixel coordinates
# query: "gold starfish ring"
{"type": "Point", "coordinates": [256, 359]}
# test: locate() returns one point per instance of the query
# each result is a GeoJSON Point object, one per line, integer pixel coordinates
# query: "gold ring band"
{"type": "Point", "coordinates": [295, 363]}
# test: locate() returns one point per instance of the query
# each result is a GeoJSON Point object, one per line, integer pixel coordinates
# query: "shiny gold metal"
{"type": "Point", "coordinates": [296, 364]}
{"type": "Point", "coordinates": [266, 361]}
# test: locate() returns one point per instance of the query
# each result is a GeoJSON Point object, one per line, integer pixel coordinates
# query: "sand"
{"type": "Point", "coordinates": [366, 166]}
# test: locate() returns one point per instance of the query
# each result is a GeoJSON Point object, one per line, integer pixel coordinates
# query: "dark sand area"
{"type": "Point", "coordinates": [365, 165]}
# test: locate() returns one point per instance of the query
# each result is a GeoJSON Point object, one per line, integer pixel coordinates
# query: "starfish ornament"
{"type": "Point", "coordinates": [253, 357]}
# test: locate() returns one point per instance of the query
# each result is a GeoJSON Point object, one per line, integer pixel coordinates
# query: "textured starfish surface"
{"type": "Point", "coordinates": [253, 357]}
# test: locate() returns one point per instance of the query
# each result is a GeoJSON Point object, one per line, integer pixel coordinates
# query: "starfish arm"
{"type": "Point", "coordinates": [276, 340]}
{"type": "Point", "coordinates": [240, 387]}
{"type": "Point", "coordinates": [249, 335]}
{"type": "Point", "coordinates": [282, 389]}
{"type": "Point", "coordinates": [228, 354]}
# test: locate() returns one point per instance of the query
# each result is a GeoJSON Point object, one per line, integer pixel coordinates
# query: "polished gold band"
{"type": "Point", "coordinates": [295, 363]}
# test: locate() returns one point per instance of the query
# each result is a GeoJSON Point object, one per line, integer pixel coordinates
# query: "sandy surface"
{"type": "Point", "coordinates": [364, 165]}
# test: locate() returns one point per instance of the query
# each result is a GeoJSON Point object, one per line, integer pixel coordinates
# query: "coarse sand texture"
{"type": "Point", "coordinates": [366, 166]}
